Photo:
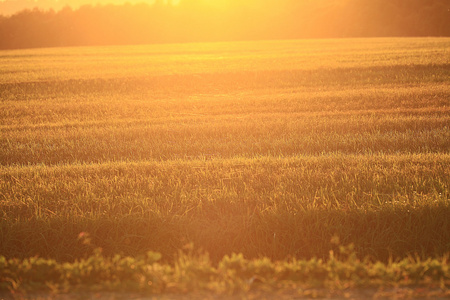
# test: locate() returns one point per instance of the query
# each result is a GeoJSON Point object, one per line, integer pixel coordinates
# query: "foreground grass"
{"type": "Point", "coordinates": [193, 273]}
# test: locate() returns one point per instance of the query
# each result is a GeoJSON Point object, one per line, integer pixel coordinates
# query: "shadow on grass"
{"type": "Point", "coordinates": [277, 234]}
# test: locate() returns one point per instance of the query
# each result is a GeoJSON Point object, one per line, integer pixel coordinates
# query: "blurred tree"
{"type": "Point", "coordinates": [201, 20]}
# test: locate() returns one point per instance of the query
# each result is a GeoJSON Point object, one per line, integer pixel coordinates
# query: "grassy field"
{"type": "Point", "coordinates": [269, 149]}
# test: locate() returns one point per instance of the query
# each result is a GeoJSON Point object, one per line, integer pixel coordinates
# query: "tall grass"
{"type": "Point", "coordinates": [278, 207]}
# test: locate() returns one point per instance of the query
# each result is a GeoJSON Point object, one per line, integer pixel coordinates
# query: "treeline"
{"type": "Point", "coordinates": [194, 20]}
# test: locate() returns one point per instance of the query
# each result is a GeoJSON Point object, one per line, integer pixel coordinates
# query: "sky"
{"type": "Point", "coordinates": [8, 7]}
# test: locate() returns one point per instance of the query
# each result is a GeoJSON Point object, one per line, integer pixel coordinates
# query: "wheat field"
{"type": "Point", "coordinates": [269, 149]}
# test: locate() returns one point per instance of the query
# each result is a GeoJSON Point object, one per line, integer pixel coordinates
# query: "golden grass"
{"type": "Point", "coordinates": [265, 148]}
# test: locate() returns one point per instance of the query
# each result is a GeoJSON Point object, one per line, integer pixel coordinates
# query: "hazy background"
{"type": "Point", "coordinates": [54, 23]}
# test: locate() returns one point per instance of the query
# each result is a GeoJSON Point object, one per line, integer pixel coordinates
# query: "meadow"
{"type": "Point", "coordinates": [270, 149]}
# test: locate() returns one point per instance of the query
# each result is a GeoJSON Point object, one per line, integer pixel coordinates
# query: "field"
{"type": "Point", "coordinates": [271, 149]}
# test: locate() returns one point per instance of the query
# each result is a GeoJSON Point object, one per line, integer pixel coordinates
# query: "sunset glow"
{"type": "Point", "coordinates": [11, 6]}
{"type": "Point", "coordinates": [224, 149]}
